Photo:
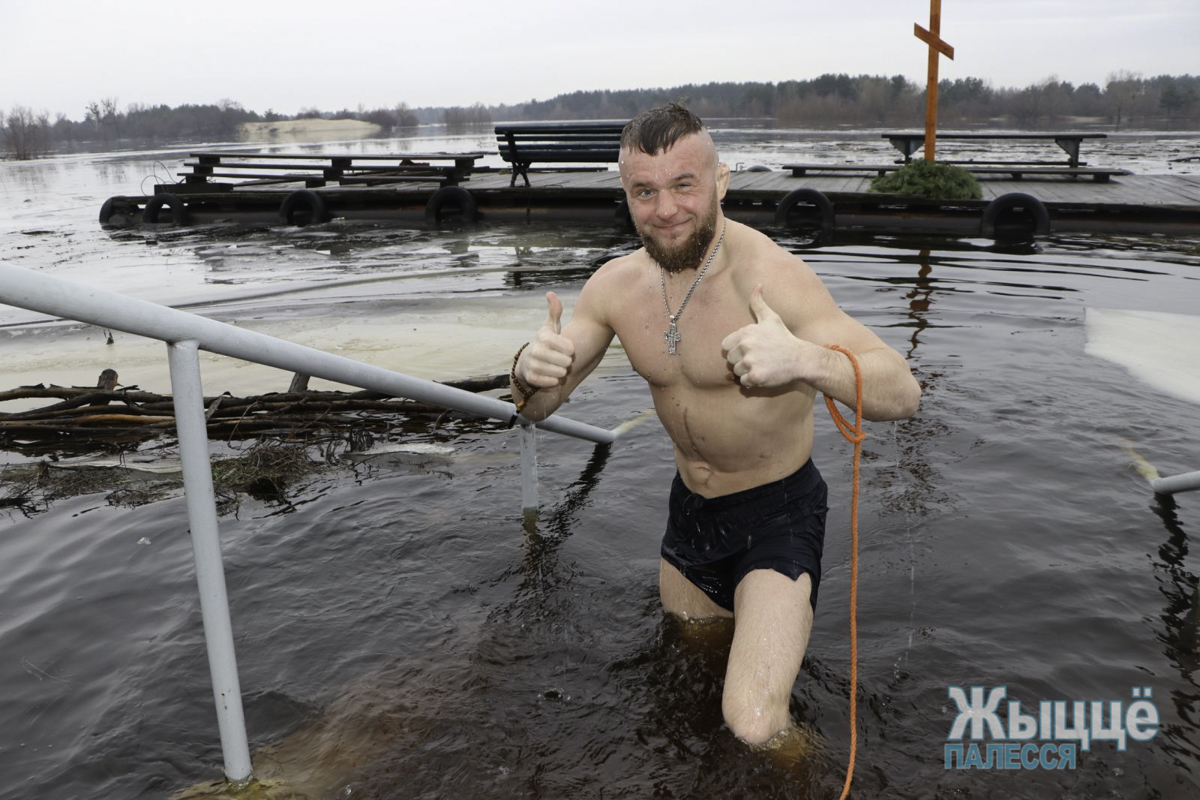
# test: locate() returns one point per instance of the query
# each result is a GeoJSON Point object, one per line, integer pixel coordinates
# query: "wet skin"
{"type": "Point", "coordinates": [736, 399]}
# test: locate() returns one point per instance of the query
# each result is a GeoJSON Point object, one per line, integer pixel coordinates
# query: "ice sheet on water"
{"type": "Point", "coordinates": [1158, 348]}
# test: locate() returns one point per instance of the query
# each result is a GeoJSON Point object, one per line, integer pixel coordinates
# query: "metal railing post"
{"type": "Point", "coordinates": [529, 475]}
{"type": "Point", "coordinates": [184, 359]}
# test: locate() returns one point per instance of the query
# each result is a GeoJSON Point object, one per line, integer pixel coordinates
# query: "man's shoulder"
{"type": "Point", "coordinates": [763, 260]}
{"type": "Point", "coordinates": [790, 286]}
{"type": "Point", "coordinates": [611, 282]}
{"type": "Point", "coordinates": [617, 272]}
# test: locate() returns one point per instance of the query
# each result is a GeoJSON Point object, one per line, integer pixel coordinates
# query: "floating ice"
{"type": "Point", "coordinates": [1159, 348]}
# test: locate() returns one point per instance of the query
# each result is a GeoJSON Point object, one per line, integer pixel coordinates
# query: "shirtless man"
{"type": "Point", "coordinates": [734, 373]}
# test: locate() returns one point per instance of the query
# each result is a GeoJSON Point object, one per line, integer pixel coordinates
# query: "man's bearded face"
{"type": "Point", "coordinates": [687, 254]}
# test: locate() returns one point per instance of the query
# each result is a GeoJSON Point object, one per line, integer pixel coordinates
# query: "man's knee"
{"type": "Point", "coordinates": [754, 723]}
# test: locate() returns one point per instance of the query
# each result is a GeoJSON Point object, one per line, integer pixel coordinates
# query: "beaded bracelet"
{"type": "Point", "coordinates": [526, 392]}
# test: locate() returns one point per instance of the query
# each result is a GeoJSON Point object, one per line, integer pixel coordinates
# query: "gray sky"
{"type": "Point", "coordinates": [59, 54]}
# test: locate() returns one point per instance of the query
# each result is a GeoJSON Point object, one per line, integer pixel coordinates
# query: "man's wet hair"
{"type": "Point", "coordinates": [657, 130]}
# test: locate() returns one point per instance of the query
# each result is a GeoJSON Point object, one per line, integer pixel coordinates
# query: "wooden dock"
{"type": "Point", "coordinates": [1128, 203]}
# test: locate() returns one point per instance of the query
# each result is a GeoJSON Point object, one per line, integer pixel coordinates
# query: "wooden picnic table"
{"type": "Point", "coordinates": [447, 169]}
{"type": "Point", "coordinates": [909, 143]}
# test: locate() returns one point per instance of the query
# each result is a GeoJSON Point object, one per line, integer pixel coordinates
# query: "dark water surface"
{"type": "Point", "coordinates": [401, 634]}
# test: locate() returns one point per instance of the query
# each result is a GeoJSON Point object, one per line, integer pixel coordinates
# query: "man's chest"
{"type": "Point", "coordinates": [644, 328]}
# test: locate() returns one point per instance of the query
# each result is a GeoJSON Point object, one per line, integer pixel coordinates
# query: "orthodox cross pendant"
{"type": "Point", "coordinates": [672, 337]}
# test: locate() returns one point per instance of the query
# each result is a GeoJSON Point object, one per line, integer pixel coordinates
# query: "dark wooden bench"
{"type": "Point", "coordinates": [445, 169]}
{"type": "Point", "coordinates": [800, 170]}
{"type": "Point", "coordinates": [525, 143]}
{"type": "Point", "coordinates": [908, 143]}
{"type": "Point", "coordinates": [978, 168]}
{"type": "Point", "coordinates": [1098, 174]}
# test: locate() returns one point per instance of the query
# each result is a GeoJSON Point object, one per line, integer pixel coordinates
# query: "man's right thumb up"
{"type": "Point", "coordinates": [554, 317]}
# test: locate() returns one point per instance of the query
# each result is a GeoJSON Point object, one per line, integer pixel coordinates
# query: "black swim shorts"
{"type": "Point", "coordinates": [717, 541]}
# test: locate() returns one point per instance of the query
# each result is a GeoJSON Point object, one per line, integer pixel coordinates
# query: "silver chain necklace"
{"type": "Point", "coordinates": [672, 336]}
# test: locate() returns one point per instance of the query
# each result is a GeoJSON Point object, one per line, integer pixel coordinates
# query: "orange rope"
{"type": "Point", "coordinates": [854, 434]}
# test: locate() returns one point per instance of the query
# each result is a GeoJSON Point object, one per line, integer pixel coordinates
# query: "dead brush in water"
{"type": "Point", "coordinates": [285, 428]}
{"type": "Point", "coordinates": [31, 488]}
{"type": "Point", "coordinates": [265, 471]}
{"type": "Point", "coordinates": [19, 488]}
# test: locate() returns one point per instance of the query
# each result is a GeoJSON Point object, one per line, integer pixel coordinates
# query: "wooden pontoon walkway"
{"type": "Point", "coordinates": [1128, 203]}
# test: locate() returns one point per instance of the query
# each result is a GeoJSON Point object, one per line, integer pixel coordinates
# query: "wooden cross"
{"type": "Point", "coordinates": [933, 38]}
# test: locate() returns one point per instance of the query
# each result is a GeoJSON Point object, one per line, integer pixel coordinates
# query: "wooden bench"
{"type": "Point", "coordinates": [523, 144]}
{"type": "Point", "coordinates": [909, 143]}
{"type": "Point", "coordinates": [1098, 174]}
{"type": "Point", "coordinates": [445, 169]}
{"type": "Point", "coordinates": [978, 168]}
{"type": "Point", "coordinates": [800, 170]}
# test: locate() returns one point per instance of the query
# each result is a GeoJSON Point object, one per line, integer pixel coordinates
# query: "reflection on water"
{"type": "Point", "coordinates": [405, 632]}
{"type": "Point", "coordinates": [1180, 630]}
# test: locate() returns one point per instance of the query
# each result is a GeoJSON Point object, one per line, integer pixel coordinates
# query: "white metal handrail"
{"type": "Point", "coordinates": [1174, 484]}
{"type": "Point", "coordinates": [186, 335]}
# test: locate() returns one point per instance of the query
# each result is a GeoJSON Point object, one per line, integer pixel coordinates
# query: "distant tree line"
{"type": "Point", "coordinates": [458, 119]}
{"type": "Point", "coordinates": [839, 99]}
{"type": "Point", "coordinates": [831, 99]}
{"type": "Point", "coordinates": [26, 134]}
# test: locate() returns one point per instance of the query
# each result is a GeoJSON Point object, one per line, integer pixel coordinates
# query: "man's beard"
{"type": "Point", "coordinates": [689, 253]}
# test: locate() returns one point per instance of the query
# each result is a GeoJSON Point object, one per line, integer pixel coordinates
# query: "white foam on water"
{"type": "Point", "coordinates": [1158, 348]}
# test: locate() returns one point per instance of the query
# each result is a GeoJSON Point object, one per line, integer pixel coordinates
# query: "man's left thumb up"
{"type": "Point", "coordinates": [758, 306]}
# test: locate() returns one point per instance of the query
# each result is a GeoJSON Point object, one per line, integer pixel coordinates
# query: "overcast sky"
{"type": "Point", "coordinates": [267, 54]}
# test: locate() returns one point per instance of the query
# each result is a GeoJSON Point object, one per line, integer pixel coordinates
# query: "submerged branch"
{"type": "Point", "coordinates": [97, 412]}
